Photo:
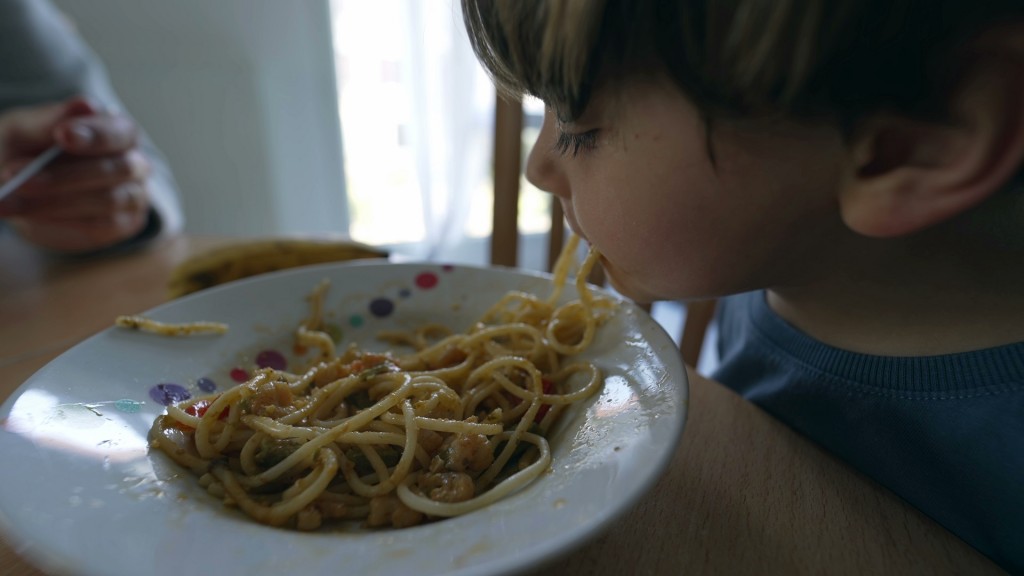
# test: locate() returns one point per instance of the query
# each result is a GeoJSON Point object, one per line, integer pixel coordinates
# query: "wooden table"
{"type": "Point", "coordinates": [743, 494]}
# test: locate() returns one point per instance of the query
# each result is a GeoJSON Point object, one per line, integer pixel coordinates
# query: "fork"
{"type": "Point", "coordinates": [30, 170]}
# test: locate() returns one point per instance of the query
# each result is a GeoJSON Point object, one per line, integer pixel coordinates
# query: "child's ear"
{"type": "Point", "coordinates": [907, 175]}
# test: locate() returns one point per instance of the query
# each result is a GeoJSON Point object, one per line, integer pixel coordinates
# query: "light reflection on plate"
{"type": "Point", "coordinates": [81, 494]}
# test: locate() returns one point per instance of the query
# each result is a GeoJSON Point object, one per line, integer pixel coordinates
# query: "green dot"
{"type": "Point", "coordinates": [128, 406]}
{"type": "Point", "coordinates": [355, 320]}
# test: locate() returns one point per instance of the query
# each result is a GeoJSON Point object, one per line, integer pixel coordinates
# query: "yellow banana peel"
{"type": "Point", "coordinates": [251, 257]}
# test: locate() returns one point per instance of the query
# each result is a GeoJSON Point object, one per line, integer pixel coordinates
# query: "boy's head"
{"type": "Point", "coordinates": [765, 134]}
{"type": "Point", "coordinates": [805, 58]}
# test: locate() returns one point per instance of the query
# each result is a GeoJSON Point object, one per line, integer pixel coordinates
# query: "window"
{"type": "Point", "coordinates": [417, 114]}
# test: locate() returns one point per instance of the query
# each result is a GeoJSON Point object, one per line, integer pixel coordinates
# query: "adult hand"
{"type": "Point", "coordinates": [93, 195]}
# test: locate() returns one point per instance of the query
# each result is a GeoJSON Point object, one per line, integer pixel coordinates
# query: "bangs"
{"type": "Point", "coordinates": [729, 57]}
{"type": "Point", "coordinates": [551, 50]}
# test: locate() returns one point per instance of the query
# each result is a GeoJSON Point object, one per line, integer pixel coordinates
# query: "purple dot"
{"type": "Point", "coordinates": [381, 307]}
{"type": "Point", "coordinates": [168, 393]}
{"type": "Point", "coordinates": [206, 385]}
{"type": "Point", "coordinates": [448, 267]}
{"type": "Point", "coordinates": [271, 359]}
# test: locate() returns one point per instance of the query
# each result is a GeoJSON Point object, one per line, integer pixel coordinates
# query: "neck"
{"type": "Point", "coordinates": [954, 289]}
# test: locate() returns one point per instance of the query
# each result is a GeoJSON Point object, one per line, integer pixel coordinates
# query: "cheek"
{"type": "Point", "coordinates": [651, 224]}
{"type": "Point", "coordinates": [675, 228]}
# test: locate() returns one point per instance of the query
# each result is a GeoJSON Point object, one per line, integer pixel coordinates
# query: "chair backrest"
{"type": "Point", "coordinates": [508, 168]}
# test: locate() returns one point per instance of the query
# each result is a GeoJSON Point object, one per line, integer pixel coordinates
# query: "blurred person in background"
{"type": "Point", "coordinates": [110, 186]}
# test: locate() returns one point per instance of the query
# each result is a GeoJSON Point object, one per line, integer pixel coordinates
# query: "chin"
{"type": "Point", "coordinates": [623, 284]}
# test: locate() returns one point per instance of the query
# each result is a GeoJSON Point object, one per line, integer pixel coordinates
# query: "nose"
{"type": "Point", "coordinates": [543, 168]}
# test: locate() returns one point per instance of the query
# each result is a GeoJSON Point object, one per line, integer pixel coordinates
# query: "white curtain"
{"type": "Point", "coordinates": [454, 128]}
{"type": "Point", "coordinates": [417, 118]}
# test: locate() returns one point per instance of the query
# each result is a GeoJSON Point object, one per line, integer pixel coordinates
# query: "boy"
{"type": "Point", "coordinates": [846, 176]}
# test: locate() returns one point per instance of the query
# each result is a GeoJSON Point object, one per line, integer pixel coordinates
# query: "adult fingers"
{"type": "Point", "coordinates": [69, 176]}
{"type": "Point", "coordinates": [87, 233]}
{"type": "Point", "coordinates": [80, 237]}
{"type": "Point", "coordinates": [29, 130]}
{"type": "Point", "coordinates": [97, 135]}
{"type": "Point", "coordinates": [92, 204]}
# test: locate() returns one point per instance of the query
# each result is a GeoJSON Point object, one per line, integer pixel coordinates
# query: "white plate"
{"type": "Point", "coordinates": [81, 494]}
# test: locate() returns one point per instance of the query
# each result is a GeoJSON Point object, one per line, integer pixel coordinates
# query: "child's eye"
{"type": "Point", "coordinates": [568, 143]}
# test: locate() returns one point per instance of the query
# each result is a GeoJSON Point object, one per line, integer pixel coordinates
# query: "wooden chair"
{"type": "Point", "coordinates": [508, 167]}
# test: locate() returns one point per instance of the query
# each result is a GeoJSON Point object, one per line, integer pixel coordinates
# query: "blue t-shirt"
{"type": "Point", "coordinates": [945, 433]}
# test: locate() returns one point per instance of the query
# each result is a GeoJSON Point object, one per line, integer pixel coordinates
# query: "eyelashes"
{"type": "Point", "coordinates": [572, 144]}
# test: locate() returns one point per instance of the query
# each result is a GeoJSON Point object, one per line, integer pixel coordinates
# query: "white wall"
{"type": "Point", "coordinates": [240, 95]}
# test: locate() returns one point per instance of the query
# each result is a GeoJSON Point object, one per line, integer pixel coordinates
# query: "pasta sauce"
{"type": "Point", "coordinates": [394, 440]}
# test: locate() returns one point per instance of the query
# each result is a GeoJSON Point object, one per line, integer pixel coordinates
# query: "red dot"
{"type": "Point", "coordinates": [239, 375]}
{"type": "Point", "coordinates": [426, 280]}
{"type": "Point", "coordinates": [271, 359]}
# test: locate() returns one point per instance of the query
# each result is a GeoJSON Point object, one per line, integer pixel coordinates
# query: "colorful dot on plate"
{"type": "Point", "coordinates": [128, 406]}
{"type": "Point", "coordinates": [271, 359]}
{"type": "Point", "coordinates": [404, 293]}
{"type": "Point", "coordinates": [239, 375]}
{"type": "Point", "coordinates": [168, 393]}
{"type": "Point", "coordinates": [448, 267]}
{"type": "Point", "coordinates": [355, 320]}
{"type": "Point", "coordinates": [381, 307]}
{"type": "Point", "coordinates": [206, 384]}
{"type": "Point", "coordinates": [426, 280]}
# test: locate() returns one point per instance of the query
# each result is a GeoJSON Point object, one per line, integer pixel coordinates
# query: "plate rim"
{"type": "Point", "coordinates": [543, 553]}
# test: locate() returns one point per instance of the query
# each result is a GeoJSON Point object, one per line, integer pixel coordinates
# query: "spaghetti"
{"type": "Point", "coordinates": [144, 324]}
{"type": "Point", "coordinates": [392, 439]}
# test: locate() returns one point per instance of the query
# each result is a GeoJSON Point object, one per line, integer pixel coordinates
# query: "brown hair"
{"type": "Point", "coordinates": [799, 58]}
